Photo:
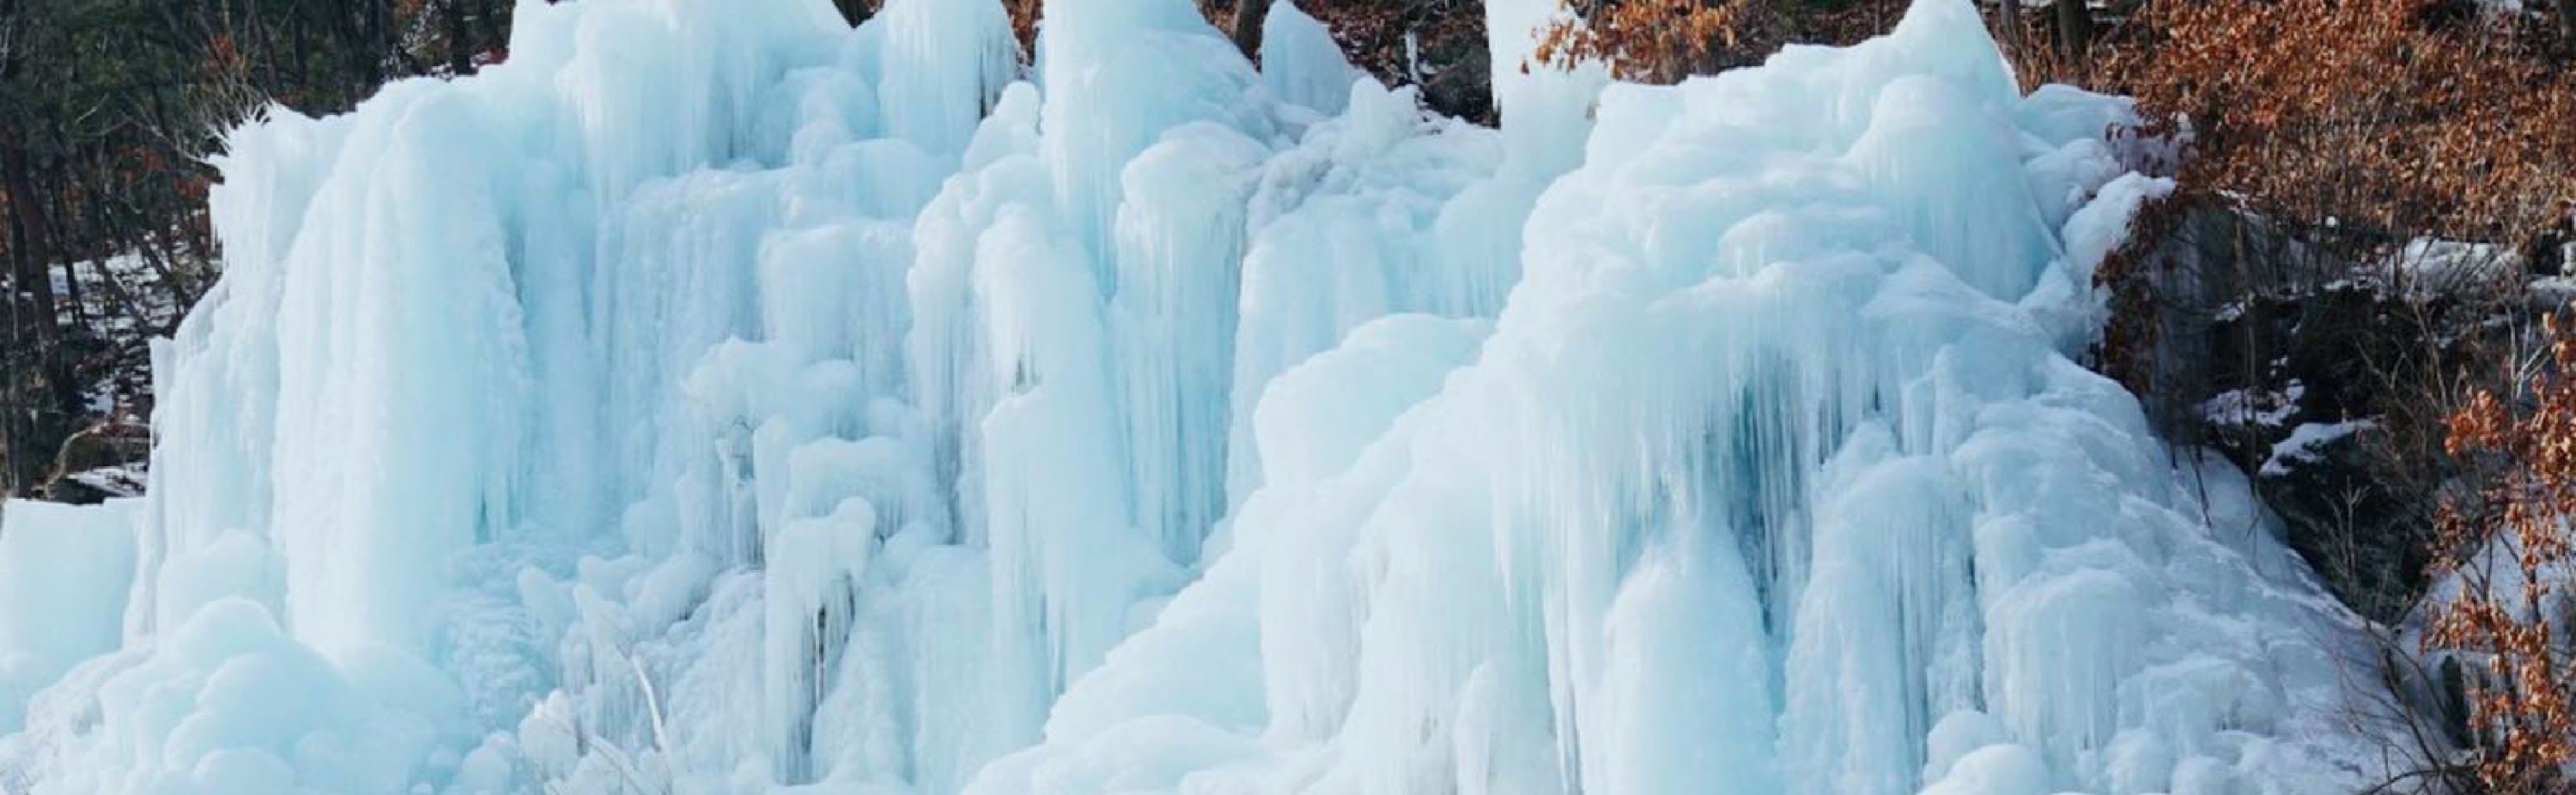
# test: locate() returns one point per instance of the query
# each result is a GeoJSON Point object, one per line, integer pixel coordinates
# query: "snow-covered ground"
{"type": "Point", "coordinates": [714, 399]}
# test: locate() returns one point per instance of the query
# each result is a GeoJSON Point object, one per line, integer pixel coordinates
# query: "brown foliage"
{"type": "Point", "coordinates": [2390, 119]}
{"type": "Point", "coordinates": [1024, 24]}
{"type": "Point", "coordinates": [1663, 41]}
{"type": "Point", "coordinates": [2509, 622]}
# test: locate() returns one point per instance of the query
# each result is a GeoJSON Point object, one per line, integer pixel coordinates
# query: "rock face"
{"type": "Point", "coordinates": [1438, 45]}
{"type": "Point", "coordinates": [2323, 365]}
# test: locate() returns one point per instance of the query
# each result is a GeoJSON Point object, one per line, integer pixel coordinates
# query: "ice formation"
{"type": "Point", "coordinates": [717, 399]}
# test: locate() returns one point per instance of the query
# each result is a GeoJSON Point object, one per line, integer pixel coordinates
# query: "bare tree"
{"type": "Point", "coordinates": [1248, 16]}
{"type": "Point", "coordinates": [2075, 29]}
{"type": "Point", "coordinates": [2567, 23]}
{"type": "Point", "coordinates": [2008, 15]}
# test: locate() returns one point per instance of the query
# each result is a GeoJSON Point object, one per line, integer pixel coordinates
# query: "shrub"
{"type": "Point", "coordinates": [2508, 550]}
{"type": "Point", "coordinates": [1663, 41]}
{"type": "Point", "coordinates": [2378, 120]}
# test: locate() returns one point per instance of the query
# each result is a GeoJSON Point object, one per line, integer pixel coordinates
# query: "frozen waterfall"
{"type": "Point", "coordinates": [713, 398]}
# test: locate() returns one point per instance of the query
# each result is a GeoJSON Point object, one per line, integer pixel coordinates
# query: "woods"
{"type": "Point", "coordinates": [109, 110]}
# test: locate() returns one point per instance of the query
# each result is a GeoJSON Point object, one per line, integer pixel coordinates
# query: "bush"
{"type": "Point", "coordinates": [2381, 120]}
{"type": "Point", "coordinates": [2508, 551]}
{"type": "Point", "coordinates": [1664, 41]}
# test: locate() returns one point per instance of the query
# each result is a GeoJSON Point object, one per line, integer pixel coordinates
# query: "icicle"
{"type": "Point", "coordinates": [945, 63]}
{"type": "Point", "coordinates": [1172, 324]}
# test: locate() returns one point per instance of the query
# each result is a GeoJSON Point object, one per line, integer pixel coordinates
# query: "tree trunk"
{"type": "Point", "coordinates": [18, 345]}
{"type": "Point", "coordinates": [2008, 16]}
{"type": "Point", "coordinates": [1248, 16]}
{"type": "Point", "coordinates": [2567, 24]}
{"type": "Point", "coordinates": [373, 38]}
{"type": "Point", "coordinates": [495, 37]}
{"type": "Point", "coordinates": [51, 396]}
{"type": "Point", "coordinates": [303, 48]}
{"type": "Point", "coordinates": [2075, 29]}
{"type": "Point", "coordinates": [31, 248]}
{"type": "Point", "coordinates": [460, 40]}
{"type": "Point", "coordinates": [856, 11]}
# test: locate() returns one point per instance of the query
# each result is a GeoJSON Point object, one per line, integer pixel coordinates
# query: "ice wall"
{"type": "Point", "coordinates": [1772, 477]}
{"type": "Point", "coordinates": [717, 399]}
{"type": "Point", "coordinates": [64, 575]}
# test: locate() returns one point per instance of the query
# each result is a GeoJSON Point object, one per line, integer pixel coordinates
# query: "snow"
{"type": "Point", "coordinates": [2426, 268]}
{"type": "Point", "coordinates": [2262, 408]}
{"type": "Point", "coordinates": [714, 398]}
{"type": "Point", "coordinates": [2303, 445]}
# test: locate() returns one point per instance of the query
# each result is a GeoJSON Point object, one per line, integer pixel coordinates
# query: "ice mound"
{"type": "Point", "coordinates": [1773, 477]}
{"type": "Point", "coordinates": [717, 399]}
{"type": "Point", "coordinates": [64, 573]}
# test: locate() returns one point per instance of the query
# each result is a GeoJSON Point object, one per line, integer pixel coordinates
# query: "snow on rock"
{"type": "Point", "coordinates": [2303, 446]}
{"type": "Point", "coordinates": [715, 398]}
{"type": "Point", "coordinates": [2261, 408]}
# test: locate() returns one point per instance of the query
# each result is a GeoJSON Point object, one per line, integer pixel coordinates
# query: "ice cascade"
{"type": "Point", "coordinates": [715, 398]}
